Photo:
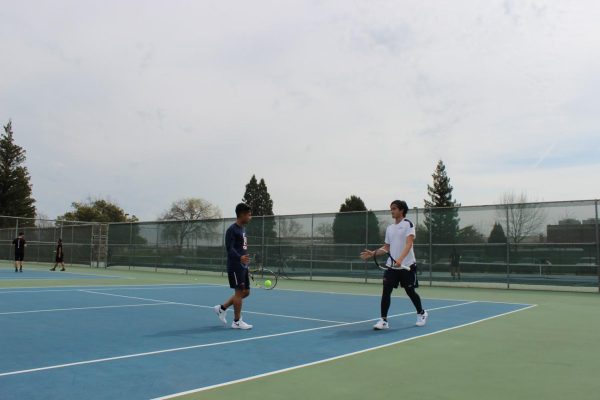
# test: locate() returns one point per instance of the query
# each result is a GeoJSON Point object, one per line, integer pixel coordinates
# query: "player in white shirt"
{"type": "Point", "coordinates": [399, 239]}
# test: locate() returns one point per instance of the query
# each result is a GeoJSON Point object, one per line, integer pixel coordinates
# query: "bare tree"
{"type": "Point", "coordinates": [188, 213]}
{"type": "Point", "coordinates": [43, 221]}
{"type": "Point", "coordinates": [324, 230]}
{"type": "Point", "coordinates": [524, 219]}
{"type": "Point", "coordinates": [290, 228]}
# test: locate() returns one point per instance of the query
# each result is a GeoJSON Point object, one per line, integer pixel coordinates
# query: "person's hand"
{"type": "Point", "coordinates": [245, 259]}
{"type": "Point", "coordinates": [367, 254]}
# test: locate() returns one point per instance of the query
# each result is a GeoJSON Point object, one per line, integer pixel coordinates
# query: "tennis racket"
{"type": "Point", "coordinates": [263, 278]}
{"type": "Point", "coordinates": [382, 265]}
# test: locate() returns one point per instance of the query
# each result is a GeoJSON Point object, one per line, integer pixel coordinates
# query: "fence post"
{"type": "Point", "coordinates": [72, 244]}
{"type": "Point", "coordinates": [312, 243]}
{"type": "Point", "coordinates": [366, 245]}
{"type": "Point", "coordinates": [507, 249]}
{"type": "Point", "coordinates": [157, 251]}
{"type": "Point", "coordinates": [130, 244]}
{"type": "Point", "coordinates": [430, 247]}
{"type": "Point", "coordinates": [39, 237]}
{"type": "Point", "coordinates": [91, 262]}
{"type": "Point", "coordinates": [597, 245]}
{"type": "Point", "coordinates": [223, 250]}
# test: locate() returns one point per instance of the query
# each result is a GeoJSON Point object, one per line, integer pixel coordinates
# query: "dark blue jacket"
{"type": "Point", "coordinates": [236, 244]}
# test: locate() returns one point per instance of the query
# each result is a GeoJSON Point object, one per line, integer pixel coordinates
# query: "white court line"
{"type": "Point", "coordinates": [115, 287]}
{"type": "Point", "coordinates": [202, 306]}
{"type": "Point", "coordinates": [279, 371]}
{"type": "Point", "coordinates": [199, 346]}
{"type": "Point", "coordinates": [216, 285]}
{"type": "Point", "coordinates": [80, 308]}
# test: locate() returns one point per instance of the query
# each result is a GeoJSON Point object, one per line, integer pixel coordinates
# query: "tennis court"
{"type": "Point", "coordinates": [154, 339]}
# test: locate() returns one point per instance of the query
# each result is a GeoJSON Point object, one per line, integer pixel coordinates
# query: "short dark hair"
{"type": "Point", "coordinates": [241, 208]}
{"type": "Point", "coordinates": [21, 234]}
{"type": "Point", "coordinates": [401, 204]}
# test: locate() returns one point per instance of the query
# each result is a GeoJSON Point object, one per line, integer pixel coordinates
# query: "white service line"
{"type": "Point", "coordinates": [111, 287]}
{"type": "Point", "coordinates": [279, 371]}
{"type": "Point", "coordinates": [202, 306]}
{"type": "Point", "coordinates": [199, 346]}
{"type": "Point", "coordinates": [80, 308]}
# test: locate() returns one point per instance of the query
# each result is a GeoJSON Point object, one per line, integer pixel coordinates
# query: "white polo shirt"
{"type": "Point", "coordinates": [395, 236]}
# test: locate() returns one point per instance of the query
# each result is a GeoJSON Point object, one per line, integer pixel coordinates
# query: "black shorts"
{"type": "Point", "coordinates": [239, 278]}
{"type": "Point", "coordinates": [59, 260]}
{"type": "Point", "coordinates": [19, 256]}
{"type": "Point", "coordinates": [402, 277]}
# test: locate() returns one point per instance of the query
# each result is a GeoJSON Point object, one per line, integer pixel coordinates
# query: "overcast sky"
{"type": "Point", "coordinates": [146, 101]}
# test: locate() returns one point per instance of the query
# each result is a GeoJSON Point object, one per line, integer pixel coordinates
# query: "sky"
{"type": "Point", "coordinates": [147, 102]}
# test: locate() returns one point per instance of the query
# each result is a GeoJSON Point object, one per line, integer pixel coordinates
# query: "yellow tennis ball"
{"type": "Point", "coordinates": [268, 283]}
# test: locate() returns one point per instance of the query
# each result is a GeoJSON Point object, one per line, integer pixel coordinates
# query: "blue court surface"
{"type": "Point", "coordinates": [8, 273]}
{"type": "Point", "coordinates": [143, 342]}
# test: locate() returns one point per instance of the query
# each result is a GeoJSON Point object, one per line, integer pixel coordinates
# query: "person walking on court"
{"type": "Point", "coordinates": [236, 244]}
{"type": "Point", "coordinates": [60, 257]}
{"type": "Point", "coordinates": [455, 264]}
{"type": "Point", "coordinates": [20, 245]}
{"type": "Point", "coordinates": [399, 239]}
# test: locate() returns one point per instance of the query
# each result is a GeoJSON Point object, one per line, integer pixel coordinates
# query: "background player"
{"type": "Point", "coordinates": [236, 244]}
{"type": "Point", "coordinates": [19, 244]}
{"type": "Point", "coordinates": [399, 239]}
{"type": "Point", "coordinates": [60, 257]}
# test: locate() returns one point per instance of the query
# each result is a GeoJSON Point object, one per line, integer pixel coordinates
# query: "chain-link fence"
{"type": "Point", "coordinates": [82, 241]}
{"type": "Point", "coordinates": [553, 244]}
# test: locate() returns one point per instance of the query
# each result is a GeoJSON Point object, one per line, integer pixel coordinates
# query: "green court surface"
{"type": "Point", "coordinates": [550, 351]}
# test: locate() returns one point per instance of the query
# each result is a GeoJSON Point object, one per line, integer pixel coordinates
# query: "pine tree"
{"type": "Point", "coordinates": [443, 221]}
{"type": "Point", "coordinates": [497, 234]}
{"type": "Point", "coordinates": [15, 187]}
{"type": "Point", "coordinates": [350, 226]}
{"type": "Point", "coordinates": [258, 198]}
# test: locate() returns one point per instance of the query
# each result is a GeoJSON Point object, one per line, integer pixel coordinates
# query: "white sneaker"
{"type": "Point", "coordinates": [381, 325]}
{"type": "Point", "coordinates": [422, 319]}
{"type": "Point", "coordinates": [240, 325]}
{"type": "Point", "coordinates": [222, 314]}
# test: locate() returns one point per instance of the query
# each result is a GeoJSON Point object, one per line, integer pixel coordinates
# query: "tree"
{"type": "Point", "coordinates": [524, 220]}
{"type": "Point", "coordinates": [15, 186]}
{"type": "Point", "coordinates": [442, 217]}
{"type": "Point", "coordinates": [258, 198]}
{"type": "Point", "coordinates": [497, 234]}
{"type": "Point", "coordinates": [187, 213]}
{"type": "Point", "coordinates": [290, 228]}
{"type": "Point", "coordinates": [497, 237]}
{"type": "Point", "coordinates": [43, 221]}
{"type": "Point", "coordinates": [469, 234]}
{"type": "Point", "coordinates": [97, 210]}
{"type": "Point", "coordinates": [324, 230]}
{"type": "Point", "coordinates": [351, 226]}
